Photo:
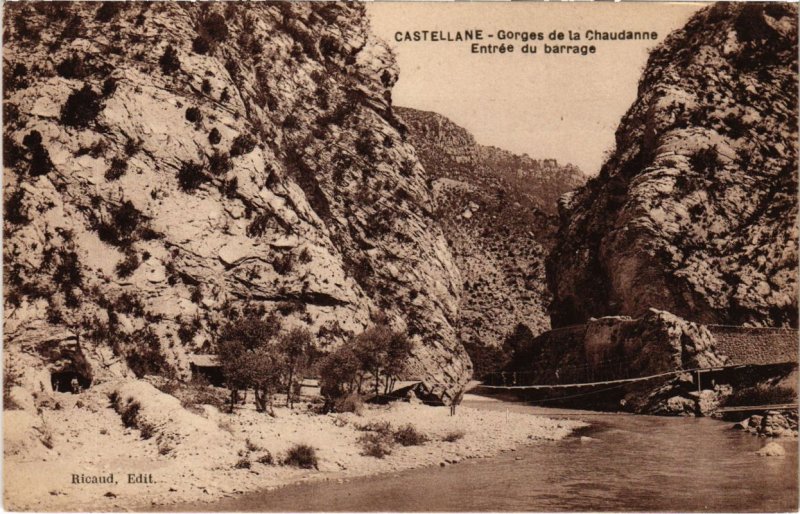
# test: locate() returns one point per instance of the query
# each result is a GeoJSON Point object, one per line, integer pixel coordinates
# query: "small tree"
{"type": "Point", "coordinates": [295, 346]}
{"type": "Point", "coordinates": [265, 365]}
{"type": "Point", "coordinates": [370, 348]}
{"type": "Point", "coordinates": [249, 359]}
{"type": "Point", "coordinates": [378, 351]}
{"type": "Point", "coordinates": [339, 373]}
{"type": "Point", "coordinates": [383, 353]}
{"type": "Point", "coordinates": [233, 361]}
{"type": "Point", "coordinates": [397, 353]}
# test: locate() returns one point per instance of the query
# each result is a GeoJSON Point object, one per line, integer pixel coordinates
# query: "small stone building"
{"type": "Point", "coordinates": [206, 367]}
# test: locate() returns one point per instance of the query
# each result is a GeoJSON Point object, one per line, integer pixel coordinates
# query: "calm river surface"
{"type": "Point", "coordinates": [641, 463]}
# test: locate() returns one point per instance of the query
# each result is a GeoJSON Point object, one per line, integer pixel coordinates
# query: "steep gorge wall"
{"type": "Point", "coordinates": [169, 165]}
{"type": "Point", "coordinates": [496, 211]}
{"type": "Point", "coordinates": [695, 211]}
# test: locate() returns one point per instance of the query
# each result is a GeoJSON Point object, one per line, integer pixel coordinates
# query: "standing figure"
{"type": "Point", "coordinates": [456, 400]}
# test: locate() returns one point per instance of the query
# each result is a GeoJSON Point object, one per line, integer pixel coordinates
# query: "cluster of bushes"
{"type": "Point", "coordinates": [37, 155]}
{"type": "Point", "coordinates": [195, 394]}
{"type": "Point", "coordinates": [380, 438]}
{"type": "Point", "coordinates": [260, 224]}
{"type": "Point", "coordinates": [108, 11]}
{"type": "Point", "coordinates": [117, 169]}
{"type": "Point", "coordinates": [304, 39]}
{"type": "Point", "coordinates": [255, 353]}
{"type": "Point", "coordinates": [67, 274]}
{"type": "Point", "coordinates": [366, 146]}
{"type": "Point", "coordinates": [219, 163]}
{"type": "Point", "coordinates": [11, 377]}
{"type": "Point", "coordinates": [299, 455]}
{"type": "Point", "coordinates": [169, 61]}
{"type": "Point", "coordinates": [73, 67]}
{"type": "Point", "coordinates": [211, 30]}
{"type": "Point", "coordinates": [128, 264]}
{"type": "Point", "coordinates": [243, 144]}
{"type": "Point", "coordinates": [123, 226]}
{"type": "Point", "coordinates": [373, 359]}
{"type": "Point", "coordinates": [143, 354]}
{"type": "Point", "coordinates": [81, 107]}
{"type": "Point", "coordinates": [191, 176]}
{"type": "Point", "coordinates": [283, 264]}
{"type": "Point", "coordinates": [15, 77]}
{"type": "Point", "coordinates": [705, 161]}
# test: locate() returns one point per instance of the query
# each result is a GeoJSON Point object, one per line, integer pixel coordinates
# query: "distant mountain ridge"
{"type": "Point", "coordinates": [496, 210]}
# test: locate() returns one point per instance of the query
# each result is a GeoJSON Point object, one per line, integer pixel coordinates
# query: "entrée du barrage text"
{"type": "Point", "coordinates": [569, 36]}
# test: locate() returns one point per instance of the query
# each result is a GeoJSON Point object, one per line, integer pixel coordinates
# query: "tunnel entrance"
{"type": "Point", "coordinates": [69, 381]}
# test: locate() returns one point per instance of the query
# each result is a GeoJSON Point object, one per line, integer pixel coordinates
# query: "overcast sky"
{"type": "Point", "coordinates": [565, 107]}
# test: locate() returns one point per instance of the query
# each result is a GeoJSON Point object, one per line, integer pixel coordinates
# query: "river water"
{"type": "Point", "coordinates": [631, 463]}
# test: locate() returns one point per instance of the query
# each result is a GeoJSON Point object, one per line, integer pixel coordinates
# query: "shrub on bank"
{"type": "Point", "coordinates": [408, 435]}
{"type": "Point", "coordinates": [380, 427]}
{"type": "Point", "coordinates": [147, 430]}
{"type": "Point", "coordinates": [453, 436]}
{"type": "Point", "coordinates": [266, 459]}
{"type": "Point", "coordinates": [374, 444]}
{"type": "Point", "coordinates": [129, 413]}
{"type": "Point", "coordinates": [195, 394]}
{"type": "Point", "coordinates": [301, 456]}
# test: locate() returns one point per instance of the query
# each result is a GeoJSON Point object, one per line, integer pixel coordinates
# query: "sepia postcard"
{"type": "Point", "coordinates": [392, 256]}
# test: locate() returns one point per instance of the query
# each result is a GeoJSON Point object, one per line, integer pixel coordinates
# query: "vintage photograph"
{"type": "Point", "coordinates": [390, 256]}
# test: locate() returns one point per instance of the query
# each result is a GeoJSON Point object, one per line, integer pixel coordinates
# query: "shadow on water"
{"type": "Point", "coordinates": [620, 463]}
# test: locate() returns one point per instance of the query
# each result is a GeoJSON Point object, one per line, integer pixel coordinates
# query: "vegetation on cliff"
{"type": "Point", "coordinates": [695, 211]}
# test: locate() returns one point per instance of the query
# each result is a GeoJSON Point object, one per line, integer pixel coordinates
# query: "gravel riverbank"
{"type": "Point", "coordinates": [88, 439]}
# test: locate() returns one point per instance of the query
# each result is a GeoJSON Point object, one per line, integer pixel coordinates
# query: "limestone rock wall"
{"type": "Point", "coordinates": [169, 164]}
{"type": "Point", "coordinates": [695, 211]}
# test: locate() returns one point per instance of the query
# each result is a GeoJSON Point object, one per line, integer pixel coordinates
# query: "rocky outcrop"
{"type": "Point", "coordinates": [496, 210]}
{"type": "Point", "coordinates": [655, 347]}
{"type": "Point", "coordinates": [770, 424]}
{"type": "Point", "coordinates": [168, 165]}
{"type": "Point", "coordinates": [695, 211]}
{"type": "Point", "coordinates": [620, 347]}
{"type": "Point", "coordinates": [772, 449]}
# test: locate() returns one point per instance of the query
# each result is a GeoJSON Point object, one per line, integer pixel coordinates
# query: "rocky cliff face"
{"type": "Point", "coordinates": [695, 211]}
{"type": "Point", "coordinates": [169, 165]}
{"type": "Point", "coordinates": [658, 345]}
{"type": "Point", "coordinates": [495, 209]}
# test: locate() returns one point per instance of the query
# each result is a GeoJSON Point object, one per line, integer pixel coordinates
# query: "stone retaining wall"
{"type": "Point", "coordinates": [756, 345]}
